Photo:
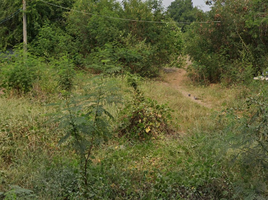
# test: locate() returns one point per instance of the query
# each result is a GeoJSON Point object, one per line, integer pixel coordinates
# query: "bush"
{"type": "Point", "coordinates": [21, 73]}
{"type": "Point", "coordinates": [237, 72]}
{"type": "Point", "coordinates": [52, 41]}
{"type": "Point", "coordinates": [143, 118]}
{"type": "Point", "coordinates": [66, 73]}
{"type": "Point", "coordinates": [139, 48]}
{"type": "Point", "coordinates": [247, 140]}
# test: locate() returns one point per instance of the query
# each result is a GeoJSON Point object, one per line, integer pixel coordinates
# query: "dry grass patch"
{"type": "Point", "coordinates": [25, 139]}
{"type": "Point", "coordinates": [187, 114]}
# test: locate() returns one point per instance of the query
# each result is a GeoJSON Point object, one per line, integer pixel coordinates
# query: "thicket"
{"type": "Point", "coordinates": [93, 32]}
{"type": "Point", "coordinates": [38, 14]}
{"type": "Point", "coordinates": [243, 144]}
{"type": "Point", "coordinates": [19, 76]}
{"type": "Point", "coordinates": [232, 47]}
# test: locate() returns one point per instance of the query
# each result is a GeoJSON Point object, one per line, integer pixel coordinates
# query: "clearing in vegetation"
{"type": "Point", "coordinates": [105, 104]}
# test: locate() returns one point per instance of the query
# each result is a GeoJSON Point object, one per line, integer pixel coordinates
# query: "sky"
{"type": "Point", "coordinates": [197, 3]}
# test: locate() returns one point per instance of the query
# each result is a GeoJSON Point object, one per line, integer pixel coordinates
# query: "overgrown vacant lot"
{"type": "Point", "coordinates": [42, 140]}
{"type": "Point", "coordinates": [133, 99]}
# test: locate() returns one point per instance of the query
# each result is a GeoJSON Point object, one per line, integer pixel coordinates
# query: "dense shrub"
{"type": "Point", "coordinates": [247, 144]}
{"type": "Point", "coordinates": [52, 41]}
{"type": "Point", "coordinates": [132, 33]}
{"type": "Point", "coordinates": [140, 47]}
{"type": "Point", "coordinates": [230, 47]}
{"type": "Point", "coordinates": [143, 118]}
{"type": "Point", "coordinates": [66, 73]}
{"type": "Point", "coordinates": [20, 73]}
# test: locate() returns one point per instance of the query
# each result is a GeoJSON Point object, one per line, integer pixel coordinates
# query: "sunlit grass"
{"type": "Point", "coordinates": [25, 139]}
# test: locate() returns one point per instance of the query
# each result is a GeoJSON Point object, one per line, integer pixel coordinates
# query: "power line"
{"type": "Point", "coordinates": [123, 19]}
{"type": "Point", "coordinates": [10, 16]}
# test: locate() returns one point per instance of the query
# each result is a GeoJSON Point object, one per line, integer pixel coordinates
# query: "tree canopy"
{"type": "Point", "coordinates": [141, 37]}
{"type": "Point", "coordinates": [183, 12]}
{"type": "Point", "coordinates": [38, 13]}
{"type": "Point", "coordinates": [233, 45]}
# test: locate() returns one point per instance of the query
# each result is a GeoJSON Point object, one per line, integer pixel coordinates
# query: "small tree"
{"type": "Point", "coordinates": [87, 124]}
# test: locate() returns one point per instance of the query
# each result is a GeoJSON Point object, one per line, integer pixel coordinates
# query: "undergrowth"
{"type": "Point", "coordinates": [191, 163]}
{"type": "Point", "coordinates": [143, 118]}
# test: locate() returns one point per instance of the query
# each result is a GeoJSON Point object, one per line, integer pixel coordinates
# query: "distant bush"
{"type": "Point", "coordinates": [65, 72]}
{"type": "Point", "coordinates": [52, 42]}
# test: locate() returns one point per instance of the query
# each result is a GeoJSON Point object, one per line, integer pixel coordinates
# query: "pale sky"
{"type": "Point", "coordinates": [197, 3]}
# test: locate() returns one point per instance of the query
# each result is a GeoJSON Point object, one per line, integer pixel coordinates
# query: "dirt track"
{"type": "Point", "coordinates": [175, 78]}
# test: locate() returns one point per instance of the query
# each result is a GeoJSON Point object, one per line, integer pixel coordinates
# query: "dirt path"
{"type": "Point", "coordinates": [175, 78]}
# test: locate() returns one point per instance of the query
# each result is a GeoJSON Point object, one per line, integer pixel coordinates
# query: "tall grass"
{"type": "Point", "coordinates": [26, 139]}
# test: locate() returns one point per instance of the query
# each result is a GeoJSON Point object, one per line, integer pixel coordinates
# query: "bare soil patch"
{"type": "Point", "coordinates": [2, 91]}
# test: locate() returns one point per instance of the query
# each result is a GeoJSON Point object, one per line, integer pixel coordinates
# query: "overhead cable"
{"type": "Point", "coordinates": [123, 19]}
{"type": "Point", "coordinates": [10, 16]}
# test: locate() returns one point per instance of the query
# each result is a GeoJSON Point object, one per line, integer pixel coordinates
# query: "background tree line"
{"type": "Point", "coordinates": [131, 34]}
{"type": "Point", "coordinates": [227, 44]}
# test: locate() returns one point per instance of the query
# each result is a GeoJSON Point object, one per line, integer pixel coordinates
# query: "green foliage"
{"type": "Point", "coordinates": [139, 47]}
{"type": "Point", "coordinates": [66, 73]}
{"type": "Point", "coordinates": [238, 72]}
{"type": "Point", "coordinates": [136, 56]}
{"type": "Point", "coordinates": [143, 118]}
{"type": "Point", "coordinates": [87, 125]}
{"type": "Point", "coordinates": [247, 137]}
{"type": "Point", "coordinates": [91, 31]}
{"type": "Point", "coordinates": [131, 55]}
{"type": "Point", "coordinates": [19, 193]}
{"type": "Point", "coordinates": [103, 60]}
{"type": "Point", "coordinates": [183, 12]}
{"type": "Point", "coordinates": [251, 132]}
{"type": "Point", "coordinates": [52, 41]}
{"type": "Point", "coordinates": [58, 180]}
{"type": "Point", "coordinates": [8, 34]}
{"type": "Point", "coordinates": [229, 48]}
{"type": "Point", "coordinates": [38, 14]}
{"type": "Point", "coordinates": [199, 73]}
{"type": "Point", "coordinates": [20, 74]}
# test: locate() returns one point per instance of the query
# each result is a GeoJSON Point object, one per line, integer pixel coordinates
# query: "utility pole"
{"type": "Point", "coordinates": [24, 27]}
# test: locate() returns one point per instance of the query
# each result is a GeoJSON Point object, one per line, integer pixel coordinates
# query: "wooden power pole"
{"type": "Point", "coordinates": [24, 27]}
